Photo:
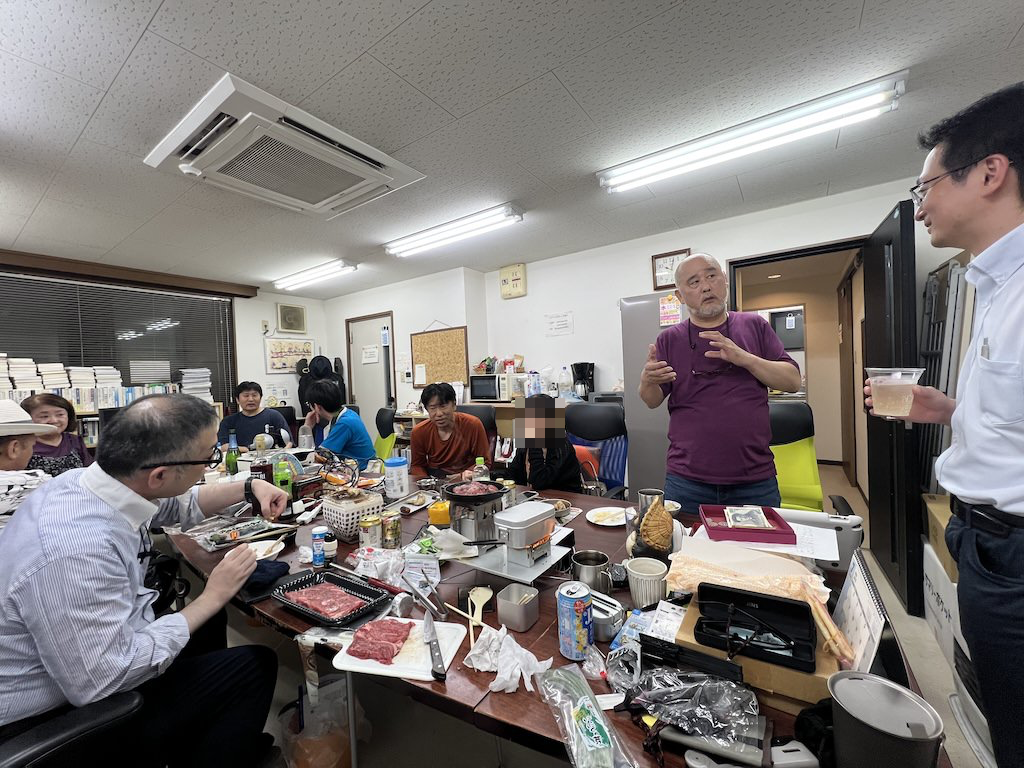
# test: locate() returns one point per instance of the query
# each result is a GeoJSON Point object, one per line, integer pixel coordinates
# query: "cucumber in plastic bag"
{"type": "Point", "coordinates": [589, 738]}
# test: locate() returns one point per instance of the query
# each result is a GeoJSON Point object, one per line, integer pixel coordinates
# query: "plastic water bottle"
{"type": "Point", "coordinates": [305, 437]}
{"type": "Point", "coordinates": [564, 382]}
{"type": "Point", "coordinates": [480, 471]}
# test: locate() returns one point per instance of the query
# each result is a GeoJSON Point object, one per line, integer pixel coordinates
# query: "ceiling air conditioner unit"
{"type": "Point", "coordinates": [241, 138]}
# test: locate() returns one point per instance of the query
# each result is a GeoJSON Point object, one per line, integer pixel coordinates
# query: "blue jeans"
{"type": "Point", "coordinates": [690, 494]}
{"type": "Point", "coordinates": [990, 595]}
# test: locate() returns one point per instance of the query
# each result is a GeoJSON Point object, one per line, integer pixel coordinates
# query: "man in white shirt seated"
{"type": "Point", "coordinates": [76, 623]}
{"type": "Point", "coordinates": [17, 439]}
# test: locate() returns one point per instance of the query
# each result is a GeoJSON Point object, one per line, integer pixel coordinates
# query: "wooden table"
{"type": "Point", "coordinates": [522, 717]}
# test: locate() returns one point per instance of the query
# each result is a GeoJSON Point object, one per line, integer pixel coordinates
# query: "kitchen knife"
{"type": "Point", "coordinates": [430, 638]}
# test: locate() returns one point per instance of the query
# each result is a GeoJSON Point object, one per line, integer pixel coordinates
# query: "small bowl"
{"type": "Point", "coordinates": [672, 507]}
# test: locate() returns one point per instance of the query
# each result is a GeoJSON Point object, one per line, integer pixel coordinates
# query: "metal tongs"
{"type": "Point", "coordinates": [423, 593]}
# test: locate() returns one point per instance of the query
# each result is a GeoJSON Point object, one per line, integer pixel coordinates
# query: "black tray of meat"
{"type": "Point", "coordinates": [329, 599]}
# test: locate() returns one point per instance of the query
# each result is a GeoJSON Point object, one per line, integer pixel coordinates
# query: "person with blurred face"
{"type": "Point", "coordinates": [970, 195]}
{"type": "Point", "coordinates": [716, 368]}
{"type": "Point", "coordinates": [61, 450]}
{"type": "Point", "coordinates": [544, 457]}
{"type": "Point", "coordinates": [18, 435]}
{"type": "Point", "coordinates": [345, 434]}
{"type": "Point", "coordinates": [449, 442]}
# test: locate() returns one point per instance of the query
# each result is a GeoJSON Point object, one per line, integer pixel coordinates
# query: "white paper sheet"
{"type": "Point", "coordinates": [815, 543]}
{"type": "Point", "coordinates": [420, 375]}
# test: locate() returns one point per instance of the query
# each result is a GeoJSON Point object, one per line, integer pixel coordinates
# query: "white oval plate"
{"type": "Point", "coordinates": [609, 517]}
{"type": "Point", "coordinates": [266, 549]}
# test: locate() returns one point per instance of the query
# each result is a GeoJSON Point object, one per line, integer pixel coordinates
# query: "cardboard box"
{"type": "Point", "coordinates": [940, 602]}
{"type": "Point", "coordinates": [938, 515]}
{"type": "Point", "coordinates": [801, 687]}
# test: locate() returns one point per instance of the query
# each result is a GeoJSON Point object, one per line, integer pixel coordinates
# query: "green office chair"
{"type": "Point", "coordinates": [385, 442]}
{"type": "Point", "coordinates": [796, 462]}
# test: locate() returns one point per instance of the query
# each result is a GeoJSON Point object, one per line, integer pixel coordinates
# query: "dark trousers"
{"type": "Point", "coordinates": [991, 599]}
{"type": "Point", "coordinates": [691, 494]}
{"type": "Point", "coordinates": [210, 706]}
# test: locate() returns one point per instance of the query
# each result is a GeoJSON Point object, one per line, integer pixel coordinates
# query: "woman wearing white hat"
{"type": "Point", "coordinates": [18, 435]}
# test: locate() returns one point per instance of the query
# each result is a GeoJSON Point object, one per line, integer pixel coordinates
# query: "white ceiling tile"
{"type": "Point", "coordinates": [100, 177]}
{"type": "Point", "coordinates": [464, 53]}
{"type": "Point", "coordinates": [42, 113]}
{"type": "Point", "coordinates": [159, 84]}
{"type": "Point", "coordinates": [375, 105]}
{"type": "Point", "coordinates": [194, 229]}
{"type": "Point", "coordinates": [21, 186]}
{"type": "Point", "coordinates": [90, 227]}
{"type": "Point", "coordinates": [62, 249]}
{"type": "Point", "coordinates": [207, 197]}
{"type": "Point", "coordinates": [288, 49]}
{"type": "Point", "coordinates": [685, 204]}
{"type": "Point", "coordinates": [10, 226]}
{"type": "Point", "coordinates": [86, 41]}
{"type": "Point", "coordinates": [876, 160]}
{"type": "Point", "coordinates": [136, 251]}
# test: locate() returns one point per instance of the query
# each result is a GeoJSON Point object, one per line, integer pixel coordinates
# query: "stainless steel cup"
{"type": "Point", "coordinates": [591, 567]}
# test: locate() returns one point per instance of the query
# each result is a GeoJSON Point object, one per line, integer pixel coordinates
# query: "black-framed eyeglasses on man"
{"type": "Point", "coordinates": [211, 462]}
{"type": "Point", "coordinates": [919, 190]}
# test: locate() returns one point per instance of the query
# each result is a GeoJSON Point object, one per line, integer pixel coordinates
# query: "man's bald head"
{"type": "Point", "coordinates": [698, 261]}
{"type": "Point", "coordinates": [702, 286]}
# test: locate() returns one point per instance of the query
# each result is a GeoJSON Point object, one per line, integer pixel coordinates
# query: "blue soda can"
{"type": "Point", "coordinates": [318, 535]}
{"type": "Point", "coordinates": [575, 621]}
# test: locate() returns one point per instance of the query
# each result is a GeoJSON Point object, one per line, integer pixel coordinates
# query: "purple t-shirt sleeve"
{"type": "Point", "coordinates": [772, 347]}
{"type": "Point", "coordinates": [661, 350]}
{"type": "Point", "coordinates": [81, 449]}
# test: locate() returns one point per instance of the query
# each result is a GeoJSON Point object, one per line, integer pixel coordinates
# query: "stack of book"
{"type": "Point", "coordinates": [196, 382]}
{"type": "Point", "coordinates": [54, 376]}
{"type": "Point", "coordinates": [24, 374]}
{"type": "Point", "coordinates": [107, 376]}
{"type": "Point", "coordinates": [4, 372]}
{"type": "Point", "coordinates": [82, 377]}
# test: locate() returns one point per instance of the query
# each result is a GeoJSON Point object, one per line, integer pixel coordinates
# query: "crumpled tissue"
{"type": "Point", "coordinates": [305, 554]}
{"type": "Point", "coordinates": [496, 650]}
{"type": "Point", "coordinates": [451, 545]}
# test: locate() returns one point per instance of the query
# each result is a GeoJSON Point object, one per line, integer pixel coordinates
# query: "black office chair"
{"type": "Point", "coordinates": [602, 426]}
{"type": "Point", "coordinates": [385, 420]}
{"type": "Point", "coordinates": [486, 415]}
{"type": "Point", "coordinates": [288, 412]}
{"type": "Point", "coordinates": [353, 408]}
{"type": "Point", "coordinates": [606, 397]}
{"type": "Point", "coordinates": [69, 736]}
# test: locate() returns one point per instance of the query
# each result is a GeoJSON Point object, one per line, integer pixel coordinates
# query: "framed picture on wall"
{"type": "Point", "coordinates": [282, 355]}
{"type": "Point", "coordinates": [663, 268]}
{"type": "Point", "coordinates": [291, 318]}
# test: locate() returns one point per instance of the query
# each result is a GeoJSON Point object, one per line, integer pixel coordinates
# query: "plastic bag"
{"type": "Point", "coordinates": [700, 704]}
{"type": "Point", "coordinates": [590, 740]}
{"type": "Point", "coordinates": [323, 741]}
{"type": "Point", "coordinates": [623, 666]}
{"type": "Point", "coordinates": [384, 564]}
{"type": "Point", "coordinates": [593, 664]}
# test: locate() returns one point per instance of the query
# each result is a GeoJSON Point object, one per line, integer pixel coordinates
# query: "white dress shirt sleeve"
{"type": "Point", "coordinates": [78, 610]}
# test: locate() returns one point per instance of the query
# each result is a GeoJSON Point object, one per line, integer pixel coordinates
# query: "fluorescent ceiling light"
{"type": "Point", "coordinates": [314, 275]}
{"type": "Point", "coordinates": [774, 277]}
{"type": "Point", "coordinates": [853, 105]}
{"type": "Point", "coordinates": [453, 231]}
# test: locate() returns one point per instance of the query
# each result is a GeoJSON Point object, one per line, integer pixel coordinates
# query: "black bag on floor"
{"type": "Point", "coordinates": [813, 727]}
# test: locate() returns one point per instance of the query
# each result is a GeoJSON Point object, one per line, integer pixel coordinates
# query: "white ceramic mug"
{"type": "Point", "coordinates": [646, 580]}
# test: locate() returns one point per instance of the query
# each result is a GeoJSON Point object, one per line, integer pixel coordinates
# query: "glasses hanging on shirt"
{"type": "Point", "coordinates": [693, 347]}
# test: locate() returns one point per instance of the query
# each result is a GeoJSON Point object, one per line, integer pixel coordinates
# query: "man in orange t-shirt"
{"type": "Point", "coordinates": [449, 442]}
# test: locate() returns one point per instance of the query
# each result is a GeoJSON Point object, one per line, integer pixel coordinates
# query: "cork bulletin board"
{"type": "Point", "coordinates": [444, 352]}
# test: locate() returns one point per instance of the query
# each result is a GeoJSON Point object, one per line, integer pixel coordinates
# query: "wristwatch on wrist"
{"type": "Point", "coordinates": [251, 497]}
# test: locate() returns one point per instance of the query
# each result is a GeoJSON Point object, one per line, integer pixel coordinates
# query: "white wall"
{"type": "Point", "coordinates": [590, 282]}
{"type": "Point", "coordinates": [249, 315]}
{"type": "Point", "coordinates": [416, 305]}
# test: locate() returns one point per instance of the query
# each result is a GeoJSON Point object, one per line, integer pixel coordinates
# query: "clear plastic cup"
{"type": "Point", "coordinates": [892, 390]}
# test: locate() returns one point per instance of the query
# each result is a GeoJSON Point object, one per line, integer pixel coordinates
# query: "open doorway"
{"type": "Point", "coordinates": [796, 293]}
{"type": "Point", "coordinates": [371, 366]}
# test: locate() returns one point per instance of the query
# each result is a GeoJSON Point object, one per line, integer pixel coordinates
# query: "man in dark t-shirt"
{"type": "Point", "coordinates": [251, 418]}
{"type": "Point", "coordinates": [715, 368]}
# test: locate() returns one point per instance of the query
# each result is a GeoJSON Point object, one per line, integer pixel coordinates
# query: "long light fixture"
{"type": "Point", "coordinates": [314, 275]}
{"type": "Point", "coordinates": [453, 231]}
{"type": "Point", "coordinates": [853, 105]}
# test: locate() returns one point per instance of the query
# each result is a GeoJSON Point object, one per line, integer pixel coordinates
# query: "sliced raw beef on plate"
{"type": "Point", "coordinates": [472, 489]}
{"type": "Point", "coordinates": [380, 640]}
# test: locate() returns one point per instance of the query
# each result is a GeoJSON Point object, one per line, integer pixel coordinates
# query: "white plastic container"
{"type": "Point", "coordinates": [396, 477]}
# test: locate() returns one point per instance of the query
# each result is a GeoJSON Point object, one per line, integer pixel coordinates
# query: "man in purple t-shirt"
{"type": "Point", "coordinates": [715, 368]}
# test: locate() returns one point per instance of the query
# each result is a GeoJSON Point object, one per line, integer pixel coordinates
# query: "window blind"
{"type": "Point", "coordinates": [78, 323]}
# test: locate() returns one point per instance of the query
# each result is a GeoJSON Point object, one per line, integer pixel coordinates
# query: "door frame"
{"type": "Point", "coordinates": [393, 394]}
{"type": "Point", "coordinates": [844, 295]}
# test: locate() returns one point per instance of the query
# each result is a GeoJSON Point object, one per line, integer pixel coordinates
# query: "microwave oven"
{"type": "Point", "coordinates": [492, 386]}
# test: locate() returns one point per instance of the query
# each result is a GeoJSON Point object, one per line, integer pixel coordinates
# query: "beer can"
{"type": "Point", "coordinates": [575, 620]}
{"type": "Point", "coordinates": [369, 531]}
{"type": "Point", "coordinates": [391, 530]}
{"type": "Point", "coordinates": [318, 534]}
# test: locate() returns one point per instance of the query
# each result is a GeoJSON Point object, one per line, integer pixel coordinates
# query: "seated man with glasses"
{"type": "Point", "coordinates": [76, 622]}
{"type": "Point", "coordinates": [716, 368]}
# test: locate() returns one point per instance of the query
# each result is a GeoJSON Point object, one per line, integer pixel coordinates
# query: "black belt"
{"type": "Point", "coordinates": [985, 517]}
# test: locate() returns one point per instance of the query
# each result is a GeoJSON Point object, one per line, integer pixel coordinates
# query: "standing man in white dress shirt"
{"type": "Point", "coordinates": [970, 195]}
{"type": "Point", "coordinates": [76, 622]}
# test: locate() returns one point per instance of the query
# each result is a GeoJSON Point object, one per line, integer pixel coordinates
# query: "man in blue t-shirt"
{"type": "Point", "coordinates": [251, 419]}
{"type": "Point", "coordinates": [344, 434]}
